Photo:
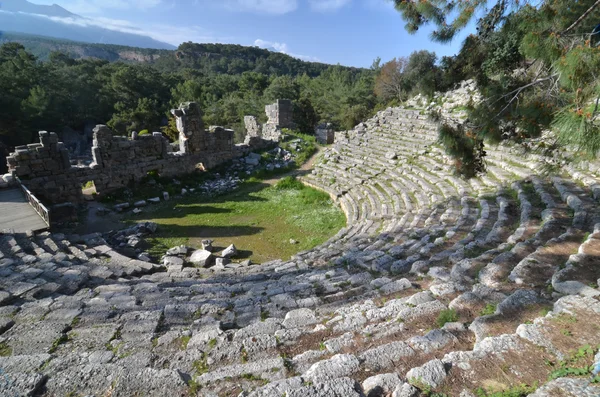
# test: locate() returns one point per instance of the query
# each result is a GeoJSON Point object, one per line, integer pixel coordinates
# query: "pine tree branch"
{"type": "Point", "coordinates": [518, 91]}
{"type": "Point", "coordinates": [582, 17]}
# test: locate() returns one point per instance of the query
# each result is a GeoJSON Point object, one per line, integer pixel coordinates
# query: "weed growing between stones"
{"type": "Point", "coordinates": [447, 316]}
{"type": "Point", "coordinates": [254, 378]}
{"type": "Point", "coordinates": [489, 309]}
{"type": "Point", "coordinates": [580, 363]}
{"type": "Point", "coordinates": [5, 350]}
{"type": "Point", "coordinates": [201, 365]}
{"type": "Point", "coordinates": [515, 391]}
{"type": "Point", "coordinates": [183, 342]}
{"type": "Point", "coordinates": [64, 338]}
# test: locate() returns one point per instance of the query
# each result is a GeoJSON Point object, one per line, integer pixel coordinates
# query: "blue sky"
{"type": "Point", "coordinates": [349, 32]}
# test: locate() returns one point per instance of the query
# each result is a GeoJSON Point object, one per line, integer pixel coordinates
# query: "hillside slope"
{"type": "Point", "coordinates": [217, 58]}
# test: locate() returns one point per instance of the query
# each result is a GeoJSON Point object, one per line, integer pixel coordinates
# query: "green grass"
{"type": "Point", "coordinates": [258, 218]}
{"type": "Point", "coordinates": [183, 342]}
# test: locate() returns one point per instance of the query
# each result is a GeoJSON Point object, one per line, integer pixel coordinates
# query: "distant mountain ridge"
{"type": "Point", "coordinates": [217, 58]}
{"type": "Point", "coordinates": [53, 10]}
{"type": "Point", "coordinates": [54, 21]}
{"type": "Point", "coordinates": [42, 46]}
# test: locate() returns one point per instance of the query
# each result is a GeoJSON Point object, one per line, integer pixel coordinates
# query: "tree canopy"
{"type": "Point", "coordinates": [61, 91]}
{"type": "Point", "coordinates": [537, 66]}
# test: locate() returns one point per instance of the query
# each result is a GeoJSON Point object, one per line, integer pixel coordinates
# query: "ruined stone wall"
{"type": "Point", "coordinates": [279, 116]}
{"type": "Point", "coordinates": [253, 128]}
{"type": "Point", "coordinates": [118, 162]}
{"type": "Point", "coordinates": [46, 165]}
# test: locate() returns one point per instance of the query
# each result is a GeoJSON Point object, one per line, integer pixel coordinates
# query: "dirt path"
{"type": "Point", "coordinates": [304, 169]}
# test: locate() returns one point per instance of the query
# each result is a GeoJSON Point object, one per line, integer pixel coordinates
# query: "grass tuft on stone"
{"type": "Point", "coordinates": [5, 350]}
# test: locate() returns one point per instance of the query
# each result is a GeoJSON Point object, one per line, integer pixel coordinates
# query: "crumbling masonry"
{"type": "Point", "coordinates": [46, 170]}
{"type": "Point", "coordinates": [279, 116]}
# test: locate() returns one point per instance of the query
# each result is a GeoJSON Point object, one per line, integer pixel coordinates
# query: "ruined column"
{"type": "Point", "coordinates": [280, 116]}
{"type": "Point", "coordinates": [190, 127]}
{"type": "Point", "coordinates": [325, 134]}
{"type": "Point", "coordinates": [253, 131]}
{"type": "Point", "coordinates": [102, 141]}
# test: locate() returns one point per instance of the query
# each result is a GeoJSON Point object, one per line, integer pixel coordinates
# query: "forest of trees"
{"type": "Point", "coordinates": [65, 92]}
{"type": "Point", "coordinates": [537, 67]}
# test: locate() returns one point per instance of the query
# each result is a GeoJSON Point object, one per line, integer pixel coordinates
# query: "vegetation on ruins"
{"type": "Point", "coordinates": [536, 65]}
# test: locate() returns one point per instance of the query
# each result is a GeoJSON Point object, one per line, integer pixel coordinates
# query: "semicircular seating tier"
{"type": "Point", "coordinates": [437, 284]}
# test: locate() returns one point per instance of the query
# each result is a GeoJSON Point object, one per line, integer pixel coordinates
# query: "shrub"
{"type": "Point", "coordinates": [446, 316]}
{"type": "Point", "coordinates": [289, 183]}
{"type": "Point", "coordinates": [143, 132]}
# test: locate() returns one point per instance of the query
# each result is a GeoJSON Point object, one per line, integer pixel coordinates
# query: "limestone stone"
{"type": "Point", "coordinates": [253, 159]}
{"type": "Point", "coordinates": [431, 373]}
{"type": "Point", "coordinates": [299, 318]}
{"type": "Point", "coordinates": [395, 286]}
{"type": "Point", "coordinates": [385, 356]}
{"type": "Point", "coordinates": [405, 390]}
{"type": "Point", "coordinates": [207, 245]}
{"type": "Point", "coordinates": [382, 384]}
{"type": "Point", "coordinates": [172, 261]}
{"type": "Point", "coordinates": [568, 387]}
{"type": "Point", "coordinates": [338, 366]}
{"type": "Point", "coordinates": [229, 251]}
{"type": "Point", "coordinates": [342, 387]}
{"type": "Point", "coordinates": [202, 258]}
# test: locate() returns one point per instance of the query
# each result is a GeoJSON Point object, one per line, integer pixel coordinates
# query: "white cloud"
{"type": "Point", "coordinates": [92, 7]}
{"type": "Point", "coordinates": [327, 5]}
{"type": "Point", "coordinates": [171, 34]}
{"type": "Point", "coordinates": [276, 7]}
{"type": "Point", "coordinates": [283, 48]}
{"type": "Point", "coordinates": [381, 5]}
{"type": "Point", "coordinates": [273, 46]}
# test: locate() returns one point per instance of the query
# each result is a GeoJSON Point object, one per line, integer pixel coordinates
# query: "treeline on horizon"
{"type": "Point", "coordinates": [227, 81]}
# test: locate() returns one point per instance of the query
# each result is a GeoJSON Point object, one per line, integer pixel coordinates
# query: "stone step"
{"type": "Point", "coordinates": [526, 357]}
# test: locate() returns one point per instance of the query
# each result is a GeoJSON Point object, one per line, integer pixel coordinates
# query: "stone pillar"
{"type": "Point", "coordinates": [280, 113]}
{"type": "Point", "coordinates": [325, 134]}
{"type": "Point", "coordinates": [190, 127]}
{"type": "Point", "coordinates": [280, 116]}
{"type": "Point", "coordinates": [102, 141]}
